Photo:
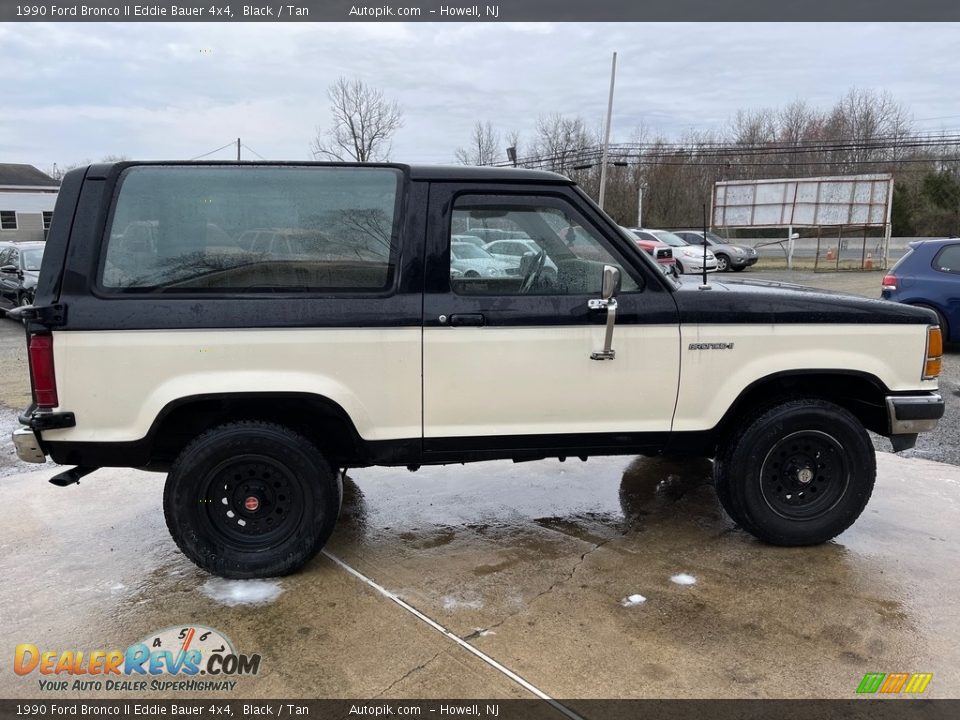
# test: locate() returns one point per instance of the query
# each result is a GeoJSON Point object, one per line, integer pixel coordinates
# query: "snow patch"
{"type": "Point", "coordinates": [633, 600]}
{"type": "Point", "coordinates": [242, 592]}
{"type": "Point", "coordinates": [453, 603]}
{"type": "Point", "coordinates": [683, 579]}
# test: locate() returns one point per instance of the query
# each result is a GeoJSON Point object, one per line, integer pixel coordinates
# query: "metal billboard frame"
{"type": "Point", "coordinates": [840, 200]}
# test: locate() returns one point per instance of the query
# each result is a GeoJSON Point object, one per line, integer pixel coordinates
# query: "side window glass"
{"type": "Point", "coordinates": [260, 229]}
{"type": "Point", "coordinates": [555, 254]}
{"type": "Point", "coordinates": [948, 260]}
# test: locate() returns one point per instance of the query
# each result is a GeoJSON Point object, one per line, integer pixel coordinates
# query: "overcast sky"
{"type": "Point", "coordinates": [80, 91]}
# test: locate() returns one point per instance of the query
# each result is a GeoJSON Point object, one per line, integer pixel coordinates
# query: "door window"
{"type": "Point", "coordinates": [560, 255]}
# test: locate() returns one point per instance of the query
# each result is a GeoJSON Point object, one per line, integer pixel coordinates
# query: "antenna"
{"type": "Point", "coordinates": [704, 286]}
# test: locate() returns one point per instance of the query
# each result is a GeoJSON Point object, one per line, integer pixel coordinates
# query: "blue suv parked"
{"type": "Point", "coordinates": [929, 276]}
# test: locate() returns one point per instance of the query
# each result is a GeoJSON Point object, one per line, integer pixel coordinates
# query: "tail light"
{"type": "Point", "coordinates": [931, 368]}
{"type": "Point", "coordinates": [889, 282]}
{"type": "Point", "coordinates": [41, 372]}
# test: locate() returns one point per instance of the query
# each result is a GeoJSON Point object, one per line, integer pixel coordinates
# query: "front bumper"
{"type": "Point", "coordinates": [911, 414]}
{"type": "Point", "coordinates": [744, 260]}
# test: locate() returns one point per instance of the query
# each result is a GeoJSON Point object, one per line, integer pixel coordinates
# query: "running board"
{"type": "Point", "coordinates": [71, 476]}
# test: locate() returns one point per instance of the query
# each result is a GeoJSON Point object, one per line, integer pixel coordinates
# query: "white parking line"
{"type": "Point", "coordinates": [560, 707]}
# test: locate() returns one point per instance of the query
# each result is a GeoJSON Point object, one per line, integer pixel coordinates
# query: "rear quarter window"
{"type": "Point", "coordinates": [246, 229]}
{"type": "Point", "coordinates": [948, 259]}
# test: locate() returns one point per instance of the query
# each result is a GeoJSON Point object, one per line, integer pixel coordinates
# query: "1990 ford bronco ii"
{"type": "Point", "coordinates": [251, 328]}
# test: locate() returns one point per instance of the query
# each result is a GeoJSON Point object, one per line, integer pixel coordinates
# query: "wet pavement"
{"type": "Point", "coordinates": [619, 577]}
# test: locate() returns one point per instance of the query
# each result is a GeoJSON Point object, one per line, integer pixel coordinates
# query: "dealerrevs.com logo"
{"type": "Point", "coordinates": [184, 658]}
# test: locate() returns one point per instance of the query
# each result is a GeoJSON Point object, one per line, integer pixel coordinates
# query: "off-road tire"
{"type": "Point", "coordinates": [297, 497]}
{"type": "Point", "coordinates": [769, 473]}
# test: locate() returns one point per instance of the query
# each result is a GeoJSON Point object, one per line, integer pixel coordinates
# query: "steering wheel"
{"type": "Point", "coordinates": [533, 274]}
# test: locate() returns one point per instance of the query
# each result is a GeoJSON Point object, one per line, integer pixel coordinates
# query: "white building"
{"type": "Point", "coordinates": [27, 197]}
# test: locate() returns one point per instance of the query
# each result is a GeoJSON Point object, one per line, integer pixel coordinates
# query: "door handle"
{"type": "Point", "coordinates": [467, 320]}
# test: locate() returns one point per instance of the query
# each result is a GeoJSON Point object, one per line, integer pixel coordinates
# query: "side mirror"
{"type": "Point", "coordinates": [610, 284]}
{"type": "Point", "coordinates": [8, 269]}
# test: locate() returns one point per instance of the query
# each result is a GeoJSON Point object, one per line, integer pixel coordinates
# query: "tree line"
{"type": "Point", "coordinates": [864, 132]}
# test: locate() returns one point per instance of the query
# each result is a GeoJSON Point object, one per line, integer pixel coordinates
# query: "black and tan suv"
{"type": "Point", "coordinates": [162, 337]}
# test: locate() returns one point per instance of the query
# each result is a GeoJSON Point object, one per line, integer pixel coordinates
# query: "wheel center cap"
{"type": "Point", "coordinates": [805, 475]}
{"type": "Point", "coordinates": [252, 503]}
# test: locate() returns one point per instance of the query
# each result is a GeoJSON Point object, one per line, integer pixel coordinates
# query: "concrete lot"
{"type": "Point", "coordinates": [528, 563]}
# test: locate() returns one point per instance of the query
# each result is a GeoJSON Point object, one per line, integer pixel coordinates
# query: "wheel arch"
{"type": "Point", "coordinates": [863, 394]}
{"type": "Point", "coordinates": [318, 418]}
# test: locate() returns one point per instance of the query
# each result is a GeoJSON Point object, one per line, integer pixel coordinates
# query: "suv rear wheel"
{"type": "Point", "coordinates": [800, 474]}
{"type": "Point", "coordinates": [251, 499]}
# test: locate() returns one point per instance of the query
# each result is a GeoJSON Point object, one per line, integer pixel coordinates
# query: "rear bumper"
{"type": "Point", "coordinates": [28, 446]}
{"type": "Point", "coordinates": [910, 414]}
{"type": "Point", "coordinates": [27, 441]}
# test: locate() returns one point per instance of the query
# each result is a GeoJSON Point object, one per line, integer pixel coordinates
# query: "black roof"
{"type": "Point", "coordinates": [470, 172]}
{"type": "Point", "coordinates": [27, 175]}
{"type": "Point", "coordinates": [416, 172]}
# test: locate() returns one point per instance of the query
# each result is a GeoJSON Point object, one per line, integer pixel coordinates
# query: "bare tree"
{"type": "Point", "coordinates": [364, 123]}
{"type": "Point", "coordinates": [561, 141]}
{"type": "Point", "coordinates": [58, 171]}
{"type": "Point", "coordinates": [484, 148]}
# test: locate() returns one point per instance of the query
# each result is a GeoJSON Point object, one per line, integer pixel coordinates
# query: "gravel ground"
{"type": "Point", "coordinates": [942, 445]}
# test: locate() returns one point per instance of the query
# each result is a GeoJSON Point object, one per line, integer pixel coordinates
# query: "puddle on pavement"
{"type": "Point", "coordinates": [591, 501]}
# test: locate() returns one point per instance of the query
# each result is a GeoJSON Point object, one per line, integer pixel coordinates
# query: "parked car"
{"type": "Point", "coordinates": [511, 252]}
{"type": "Point", "coordinates": [19, 270]}
{"type": "Point", "coordinates": [658, 250]}
{"type": "Point", "coordinates": [476, 262]}
{"type": "Point", "coordinates": [928, 276]}
{"type": "Point", "coordinates": [689, 258]}
{"type": "Point", "coordinates": [729, 256]}
{"type": "Point", "coordinates": [472, 239]}
{"type": "Point", "coordinates": [253, 391]}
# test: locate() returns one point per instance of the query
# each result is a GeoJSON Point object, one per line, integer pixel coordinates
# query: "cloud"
{"type": "Point", "coordinates": [77, 91]}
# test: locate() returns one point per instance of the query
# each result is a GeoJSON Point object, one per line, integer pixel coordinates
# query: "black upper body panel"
{"type": "Point", "coordinates": [761, 302]}
{"type": "Point", "coordinates": [79, 225]}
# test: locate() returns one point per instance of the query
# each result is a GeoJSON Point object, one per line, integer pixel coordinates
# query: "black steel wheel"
{"type": "Point", "coordinates": [799, 474]}
{"type": "Point", "coordinates": [804, 475]}
{"type": "Point", "coordinates": [251, 499]}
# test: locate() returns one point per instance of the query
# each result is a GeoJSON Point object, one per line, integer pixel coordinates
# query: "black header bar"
{"type": "Point", "coordinates": [493, 11]}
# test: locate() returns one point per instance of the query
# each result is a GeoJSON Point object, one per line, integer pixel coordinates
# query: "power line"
{"type": "Point", "coordinates": [232, 142]}
{"type": "Point", "coordinates": [250, 149]}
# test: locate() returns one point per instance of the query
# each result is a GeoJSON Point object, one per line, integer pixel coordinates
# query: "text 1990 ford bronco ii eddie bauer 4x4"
{"type": "Point", "coordinates": [251, 328]}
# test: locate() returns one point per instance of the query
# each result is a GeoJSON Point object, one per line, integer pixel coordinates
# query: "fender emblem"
{"type": "Point", "coordinates": [711, 346]}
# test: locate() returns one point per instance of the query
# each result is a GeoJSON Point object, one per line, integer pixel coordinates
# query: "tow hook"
{"type": "Point", "coordinates": [71, 476]}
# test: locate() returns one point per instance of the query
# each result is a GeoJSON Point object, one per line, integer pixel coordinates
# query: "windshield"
{"type": "Point", "coordinates": [669, 238]}
{"type": "Point", "coordinates": [466, 251]}
{"type": "Point", "coordinates": [714, 238]}
{"type": "Point", "coordinates": [32, 259]}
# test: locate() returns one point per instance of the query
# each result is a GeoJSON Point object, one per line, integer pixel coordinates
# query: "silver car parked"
{"type": "Point", "coordinates": [729, 256]}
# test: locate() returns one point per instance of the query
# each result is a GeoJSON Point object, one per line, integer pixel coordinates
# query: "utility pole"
{"type": "Point", "coordinates": [640, 205]}
{"type": "Point", "coordinates": [238, 149]}
{"type": "Point", "coordinates": [606, 135]}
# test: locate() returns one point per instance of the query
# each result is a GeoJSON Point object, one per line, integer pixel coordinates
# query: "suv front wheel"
{"type": "Point", "coordinates": [799, 474]}
{"type": "Point", "coordinates": [251, 499]}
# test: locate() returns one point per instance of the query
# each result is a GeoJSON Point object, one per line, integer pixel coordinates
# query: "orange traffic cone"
{"type": "Point", "coordinates": [829, 253]}
{"type": "Point", "coordinates": [868, 265]}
